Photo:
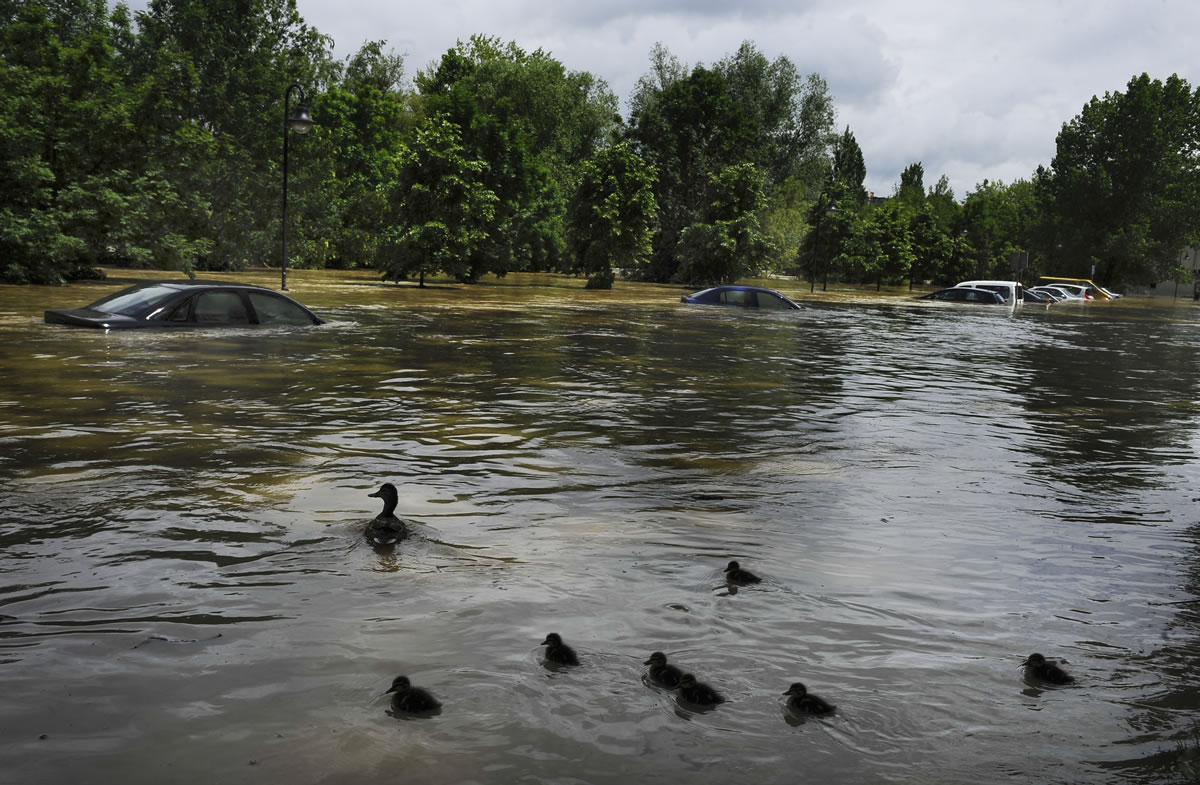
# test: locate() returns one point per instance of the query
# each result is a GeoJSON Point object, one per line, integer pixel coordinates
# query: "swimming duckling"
{"type": "Point", "coordinates": [697, 692]}
{"type": "Point", "coordinates": [661, 672]}
{"type": "Point", "coordinates": [386, 528]}
{"type": "Point", "coordinates": [736, 575]}
{"type": "Point", "coordinates": [1038, 666]}
{"type": "Point", "coordinates": [406, 697]}
{"type": "Point", "coordinates": [800, 700]}
{"type": "Point", "coordinates": [559, 652]}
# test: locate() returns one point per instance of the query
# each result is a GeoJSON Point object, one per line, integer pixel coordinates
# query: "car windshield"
{"type": "Point", "coordinates": [129, 302]}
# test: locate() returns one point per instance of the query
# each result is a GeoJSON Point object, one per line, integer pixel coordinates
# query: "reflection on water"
{"type": "Point", "coordinates": [930, 494]}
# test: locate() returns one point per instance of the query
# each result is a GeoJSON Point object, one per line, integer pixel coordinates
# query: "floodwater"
{"type": "Point", "coordinates": [930, 492]}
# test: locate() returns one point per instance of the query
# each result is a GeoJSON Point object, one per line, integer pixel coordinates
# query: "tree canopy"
{"type": "Point", "coordinates": [154, 139]}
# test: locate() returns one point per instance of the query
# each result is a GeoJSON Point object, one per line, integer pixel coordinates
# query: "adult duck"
{"type": "Point", "coordinates": [385, 528]}
{"type": "Point", "coordinates": [800, 700]}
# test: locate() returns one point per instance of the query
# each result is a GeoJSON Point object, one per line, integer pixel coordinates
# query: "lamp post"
{"type": "Point", "coordinates": [301, 123]}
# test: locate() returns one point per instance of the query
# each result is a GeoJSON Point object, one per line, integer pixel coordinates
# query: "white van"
{"type": "Point", "coordinates": [1011, 291]}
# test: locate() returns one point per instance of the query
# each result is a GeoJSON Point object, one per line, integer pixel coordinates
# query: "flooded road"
{"type": "Point", "coordinates": [931, 493]}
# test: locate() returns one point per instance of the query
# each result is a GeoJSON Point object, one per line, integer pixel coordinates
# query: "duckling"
{"type": "Point", "coordinates": [559, 652]}
{"type": "Point", "coordinates": [736, 575]}
{"type": "Point", "coordinates": [406, 697]}
{"type": "Point", "coordinates": [386, 528]}
{"type": "Point", "coordinates": [697, 692]}
{"type": "Point", "coordinates": [661, 672]}
{"type": "Point", "coordinates": [800, 700]}
{"type": "Point", "coordinates": [1038, 666]}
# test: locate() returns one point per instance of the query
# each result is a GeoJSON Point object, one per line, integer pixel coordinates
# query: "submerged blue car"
{"type": "Point", "coordinates": [741, 296]}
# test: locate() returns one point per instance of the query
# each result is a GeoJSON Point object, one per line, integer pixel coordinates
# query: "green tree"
{"type": "Point", "coordinates": [728, 242]}
{"type": "Point", "coordinates": [691, 125]}
{"type": "Point", "coordinates": [610, 219]}
{"type": "Point", "coordinates": [77, 184]}
{"type": "Point", "coordinates": [442, 210]}
{"type": "Point", "coordinates": [1123, 189]}
{"type": "Point", "coordinates": [234, 60]}
{"type": "Point", "coordinates": [879, 244]}
{"type": "Point", "coordinates": [534, 123]}
{"type": "Point", "coordinates": [999, 220]}
{"type": "Point", "coordinates": [911, 189]}
{"type": "Point", "coordinates": [849, 170]}
{"type": "Point", "coordinates": [350, 163]}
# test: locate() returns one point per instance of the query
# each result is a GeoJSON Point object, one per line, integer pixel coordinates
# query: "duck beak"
{"type": "Point", "coordinates": [374, 495]}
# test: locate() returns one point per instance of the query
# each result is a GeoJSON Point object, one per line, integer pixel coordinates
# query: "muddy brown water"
{"type": "Point", "coordinates": [930, 492]}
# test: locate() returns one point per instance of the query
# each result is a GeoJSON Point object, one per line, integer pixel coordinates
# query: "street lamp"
{"type": "Point", "coordinates": [301, 123]}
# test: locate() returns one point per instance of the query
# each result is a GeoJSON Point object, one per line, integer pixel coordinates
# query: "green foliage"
{"type": "Point", "coordinates": [1123, 189]}
{"type": "Point", "coordinates": [999, 219]}
{"type": "Point", "coordinates": [155, 139]}
{"type": "Point", "coordinates": [879, 245]}
{"type": "Point", "coordinates": [442, 210]}
{"type": "Point", "coordinates": [611, 216]}
{"type": "Point", "coordinates": [74, 190]}
{"type": "Point", "coordinates": [849, 169]}
{"type": "Point", "coordinates": [694, 125]}
{"type": "Point", "coordinates": [728, 242]}
{"type": "Point", "coordinates": [534, 123]}
{"type": "Point", "coordinates": [349, 166]}
{"type": "Point", "coordinates": [911, 189]}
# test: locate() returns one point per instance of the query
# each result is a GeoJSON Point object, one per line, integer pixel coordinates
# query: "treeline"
{"type": "Point", "coordinates": [155, 140]}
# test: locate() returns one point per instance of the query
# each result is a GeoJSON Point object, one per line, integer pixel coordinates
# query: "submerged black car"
{"type": "Point", "coordinates": [741, 296]}
{"type": "Point", "coordinates": [188, 304]}
{"type": "Point", "coordinates": [966, 294]}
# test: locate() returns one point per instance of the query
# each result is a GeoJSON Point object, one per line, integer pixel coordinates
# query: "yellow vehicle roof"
{"type": "Point", "coordinates": [1078, 282]}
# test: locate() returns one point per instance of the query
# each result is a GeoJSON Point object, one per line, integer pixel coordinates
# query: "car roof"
{"type": "Point", "coordinates": [206, 284]}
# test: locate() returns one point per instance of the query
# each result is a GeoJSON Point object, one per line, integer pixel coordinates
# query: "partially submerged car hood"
{"type": "Point", "coordinates": [86, 317]}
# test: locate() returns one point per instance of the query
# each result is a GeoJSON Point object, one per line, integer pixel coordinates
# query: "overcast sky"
{"type": "Point", "coordinates": [972, 90]}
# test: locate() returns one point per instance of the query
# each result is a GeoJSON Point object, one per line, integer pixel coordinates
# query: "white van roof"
{"type": "Point", "coordinates": [989, 283]}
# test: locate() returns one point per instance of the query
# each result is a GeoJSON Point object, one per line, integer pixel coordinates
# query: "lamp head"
{"type": "Point", "coordinates": [300, 121]}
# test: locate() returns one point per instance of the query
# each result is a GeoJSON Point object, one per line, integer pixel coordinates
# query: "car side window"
{"type": "Point", "coordinates": [181, 311]}
{"type": "Point", "coordinates": [220, 308]}
{"type": "Point", "coordinates": [767, 300]}
{"type": "Point", "coordinates": [736, 297]}
{"type": "Point", "coordinates": [275, 310]}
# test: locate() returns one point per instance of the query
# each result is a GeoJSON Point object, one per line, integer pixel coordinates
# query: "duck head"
{"type": "Point", "coordinates": [399, 684]}
{"type": "Point", "coordinates": [1034, 659]}
{"type": "Point", "coordinates": [657, 658]}
{"type": "Point", "coordinates": [733, 567]}
{"type": "Point", "coordinates": [553, 639]}
{"type": "Point", "coordinates": [390, 496]}
{"type": "Point", "coordinates": [687, 681]}
{"type": "Point", "coordinates": [797, 689]}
